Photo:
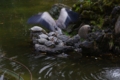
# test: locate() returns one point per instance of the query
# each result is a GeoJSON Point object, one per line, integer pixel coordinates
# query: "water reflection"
{"type": "Point", "coordinates": [55, 68]}
{"type": "Point", "coordinates": [112, 73]}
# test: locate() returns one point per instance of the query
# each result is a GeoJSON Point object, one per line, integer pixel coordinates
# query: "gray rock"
{"type": "Point", "coordinates": [37, 29]}
{"type": "Point", "coordinates": [43, 36]}
{"type": "Point", "coordinates": [78, 50]}
{"type": "Point", "coordinates": [35, 34]}
{"type": "Point", "coordinates": [77, 45]}
{"type": "Point", "coordinates": [41, 48]}
{"type": "Point", "coordinates": [56, 50]}
{"type": "Point", "coordinates": [63, 55]}
{"type": "Point", "coordinates": [87, 44]}
{"type": "Point", "coordinates": [52, 34]}
{"type": "Point", "coordinates": [59, 50]}
{"type": "Point", "coordinates": [73, 40]}
{"type": "Point", "coordinates": [50, 44]}
{"type": "Point", "coordinates": [76, 37]}
{"type": "Point", "coordinates": [59, 42]}
{"type": "Point", "coordinates": [42, 40]}
{"type": "Point", "coordinates": [64, 38]}
{"type": "Point", "coordinates": [34, 40]}
{"type": "Point", "coordinates": [52, 38]}
{"type": "Point", "coordinates": [97, 36]}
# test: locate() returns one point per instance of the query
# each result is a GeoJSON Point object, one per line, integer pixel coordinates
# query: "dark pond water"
{"type": "Point", "coordinates": [14, 42]}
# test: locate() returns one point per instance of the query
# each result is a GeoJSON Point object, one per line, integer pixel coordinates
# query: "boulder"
{"type": "Point", "coordinates": [83, 31]}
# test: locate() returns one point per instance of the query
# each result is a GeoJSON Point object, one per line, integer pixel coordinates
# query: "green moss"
{"type": "Point", "coordinates": [66, 33]}
{"type": "Point", "coordinates": [96, 12]}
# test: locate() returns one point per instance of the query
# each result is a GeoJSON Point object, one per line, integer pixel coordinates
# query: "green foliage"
{"type": "Point", "coordinates": [66, 33]}
{"type": "Point", "coordinates": [95, 11]}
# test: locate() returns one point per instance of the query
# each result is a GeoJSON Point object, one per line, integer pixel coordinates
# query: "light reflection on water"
{"type": "Point", "coordinates": [54, 68]}
{"type": "Point", "coordinates": [14, 41]}
{"type": "Point", "coordinates": [112, 73]}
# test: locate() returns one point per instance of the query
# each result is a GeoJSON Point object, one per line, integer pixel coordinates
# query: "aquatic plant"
{"type": "Point", "coordinates": [9, 73]}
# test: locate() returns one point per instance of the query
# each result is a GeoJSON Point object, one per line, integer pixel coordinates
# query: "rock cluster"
{"type": "Point", "coordinates": [52, 42]}
{"type": "Point", "coordinates": [104, 17]}
{"type": "Point", "coordinates": [103, 38]}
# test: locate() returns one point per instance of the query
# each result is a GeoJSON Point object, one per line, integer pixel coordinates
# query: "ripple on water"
{"type": "Point", "coordinates": [51, 68]}
{"type": "Point", "coordinates": [102, 74]}
{"type": "Point", "coordinates": [112, 73]}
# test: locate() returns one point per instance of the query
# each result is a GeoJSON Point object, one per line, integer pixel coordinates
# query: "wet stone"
{"type": "Point", "coordinates": [50, 44]}
{"type": "Point", "coordinates": [42, 40]}
{"type": "Point", "coordinates": [52, 34]}
{"type": "Point", "coordinates": [87, 44]}
{"type": "Point", "coordinates": [41, 48]}
{"type": "Point", "coordinates": [73, 40]}
{"type": "Point", "coordinates": [53, 43]}
{"type": "Point", "coordinates": [52, 38]}
{"type": "Point", "coordinates": [43, 36]}
{"type": "Point", "coordinates": [36, 29]}
{"type": "Point", "coordinates": [64, 38]}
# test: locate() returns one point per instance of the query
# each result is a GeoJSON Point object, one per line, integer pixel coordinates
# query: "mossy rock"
{"type": "Point", "coordinates": [96, 12]}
